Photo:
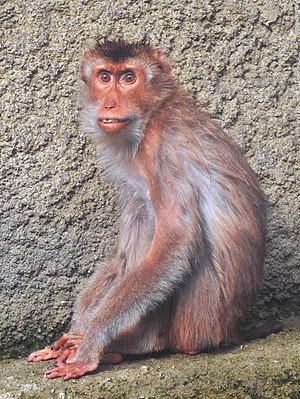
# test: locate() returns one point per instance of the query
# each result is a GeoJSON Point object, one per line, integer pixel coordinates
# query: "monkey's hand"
{"type": "Point", "coordinates": [68, 344]}
{"type": "Point", "coordinates": [63, 349]}
{"type": "Point", "coordinates": [71, 370]}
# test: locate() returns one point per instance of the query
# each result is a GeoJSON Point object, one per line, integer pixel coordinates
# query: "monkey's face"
{"type": "Point", "coordinates": [119, 90]}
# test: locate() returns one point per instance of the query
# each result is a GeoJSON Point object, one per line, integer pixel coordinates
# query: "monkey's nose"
{"type": "Point", "coordinates": [109, 106]}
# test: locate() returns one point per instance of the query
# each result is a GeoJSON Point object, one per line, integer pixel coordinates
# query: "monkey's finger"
{"type": "Point", "coordinates": [57, 371]}
{"type": "Point", "coordinates": [72, 343]}
{"type": "Point", "coordinates": [42, 358]}
{"type": "Point", "coordinates": [73, 374]}
{"type": "Point", "coordinates": [63, 340]}
{"type": "Point", "coordinates": [64, 357]}
{"type": "Point", "coordinates": [43, 354]}
{"type": "Point", "coordinates": [71, 357]}
{"type": "Point", "coordinates": [53, 373]}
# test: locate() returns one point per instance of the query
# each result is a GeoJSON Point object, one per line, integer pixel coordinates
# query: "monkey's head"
{"type": "Point", "coordinates": [124, 83]}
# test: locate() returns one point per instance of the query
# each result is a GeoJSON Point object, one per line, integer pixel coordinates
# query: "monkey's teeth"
{"type": "Point", "coordinates": [107, 120]}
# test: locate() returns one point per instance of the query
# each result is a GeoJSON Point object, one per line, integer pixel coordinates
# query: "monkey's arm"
{"type": "Point", "coordinates": [150, 283]}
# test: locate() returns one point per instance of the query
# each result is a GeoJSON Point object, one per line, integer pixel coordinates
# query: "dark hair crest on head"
{"type": "Point", "coordinates": [118, 50]}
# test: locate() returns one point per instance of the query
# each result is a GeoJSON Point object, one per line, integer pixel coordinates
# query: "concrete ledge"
{"type": "Point", "coordinates": [262, 369]}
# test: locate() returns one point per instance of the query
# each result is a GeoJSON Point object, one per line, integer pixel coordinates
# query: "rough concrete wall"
{"type": "Point", "coordinates": [58, 213]}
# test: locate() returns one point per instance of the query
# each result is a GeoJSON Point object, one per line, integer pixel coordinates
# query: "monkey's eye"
{"type": "Point", "coordinates": [128, 78]}
{"type": "Point", "coordinates": [104, 77]}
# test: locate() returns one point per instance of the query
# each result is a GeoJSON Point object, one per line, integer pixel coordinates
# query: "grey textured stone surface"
{"type": "Point", "coordinates": [58, 212]}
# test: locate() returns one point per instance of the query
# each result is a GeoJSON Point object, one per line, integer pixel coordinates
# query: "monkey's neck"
{"type": "Point", "coordinates": [120, 147]}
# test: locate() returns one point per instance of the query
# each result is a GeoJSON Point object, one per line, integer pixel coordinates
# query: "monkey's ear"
{"type": "Point", "coordinates": [162, 61]}
{"type": "Point", "coordinates": [85, 69]}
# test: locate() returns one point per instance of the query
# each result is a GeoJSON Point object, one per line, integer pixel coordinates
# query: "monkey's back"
{"type": "Point", "coordinates": [212, 176]}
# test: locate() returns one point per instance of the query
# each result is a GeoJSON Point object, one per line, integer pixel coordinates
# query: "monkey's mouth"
{"type": "Point", "coordinates": [111, 125]}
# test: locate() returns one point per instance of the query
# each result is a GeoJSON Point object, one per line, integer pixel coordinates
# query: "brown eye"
{"type": "Point", "coordinates": [129, 78]}
{"type": "Point", "coordinates": [104, 77]}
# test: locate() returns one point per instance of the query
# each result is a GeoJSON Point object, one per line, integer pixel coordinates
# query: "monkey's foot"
{"type": "Point", "coordinates": [70, 370]}
{"type": "Point", "coordinates": [44, 354]}
{"type": "Point", "coordinates": [112, 358]}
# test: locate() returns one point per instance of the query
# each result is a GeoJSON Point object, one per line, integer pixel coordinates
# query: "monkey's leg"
{"type": "Point", "coordinates": [150, 334]}
{"type": "Point", "coordinates": [201, 318]}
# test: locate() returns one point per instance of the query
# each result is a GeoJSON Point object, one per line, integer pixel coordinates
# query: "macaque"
{"type": "Point", "coordinates": [191, 245]}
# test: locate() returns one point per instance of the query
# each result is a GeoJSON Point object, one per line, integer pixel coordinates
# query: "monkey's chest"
{"type": "Point", "coordinates": [137, 182]}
